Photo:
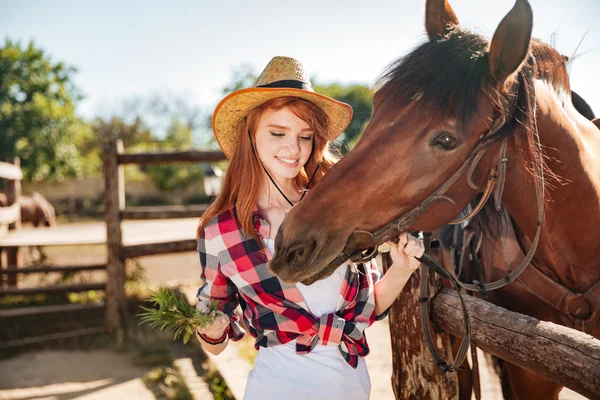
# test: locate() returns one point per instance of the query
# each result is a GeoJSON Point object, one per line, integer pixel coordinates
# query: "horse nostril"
{"type": "Point", "coordinates": [300, 252]}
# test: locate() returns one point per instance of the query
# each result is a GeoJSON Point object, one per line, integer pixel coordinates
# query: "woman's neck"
{"type": "Point", "coordinates": [269, 196]}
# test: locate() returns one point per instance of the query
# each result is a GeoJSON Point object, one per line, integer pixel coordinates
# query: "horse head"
{"type": "Point", "coordinates": [433, 109]}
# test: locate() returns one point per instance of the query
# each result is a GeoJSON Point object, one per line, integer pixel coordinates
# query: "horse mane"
{"type": "Point", "coordinates": [454, 70]}
{"type": "Point", "coordinates": [451, 70]}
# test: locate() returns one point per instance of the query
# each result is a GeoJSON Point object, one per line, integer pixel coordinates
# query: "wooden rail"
{"type": "Point", "coordinates": [37, 270]}
{"type": "Point", "coordinates": [39, 310]}
{"type": "Point", "coordinates": [174, 156]}
{"type": "Point", "coordinates": [158, 248]}
{"type": "Point", "coordinates": [560, 354]}
{"type": "Point", "coordinates": [164, 212]}
{"type": "Point", "coordinates": [10, 214]}
{"type": "Point", "coordinates": [53, 289]}
{"type": "Point", "coordinates": [10, 171]}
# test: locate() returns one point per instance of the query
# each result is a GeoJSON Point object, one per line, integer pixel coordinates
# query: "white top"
{"type": "Point", "coordinates": [280, 373]}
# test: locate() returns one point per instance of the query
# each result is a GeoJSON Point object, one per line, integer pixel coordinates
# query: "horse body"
{"type": "Point", "coordinates": [37, 210]}
{"type": "Point", "coordinates": [34, 209]}
{"type": "Point", "coordinates": [433, 109]}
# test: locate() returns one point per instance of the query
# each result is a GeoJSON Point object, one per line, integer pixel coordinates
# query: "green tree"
{"type": "Point", "coordinates": [135, 136]}
{"type": "Point", "coordinates": [37, 113]}
{"type": "Point", "coordinates": [360, 97]}
{"type": "Point", "coordinates": [175, 176]}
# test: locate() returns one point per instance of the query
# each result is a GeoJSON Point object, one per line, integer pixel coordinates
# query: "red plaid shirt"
{"type": "Point", "coordinates": [234, 270]}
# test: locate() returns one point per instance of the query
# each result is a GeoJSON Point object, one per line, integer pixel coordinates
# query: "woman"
{"type": "Point", "coordinates": [310, 339]}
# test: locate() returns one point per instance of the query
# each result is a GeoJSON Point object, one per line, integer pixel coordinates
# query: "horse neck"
{"type": "Point", "coordinates": [571, 147]}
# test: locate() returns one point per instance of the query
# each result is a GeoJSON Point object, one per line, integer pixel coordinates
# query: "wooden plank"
{"type": "Point", "coordinates": [53, 289]}
{"type": "Point", "coordinates": [562, 355]}
{"type": "Point", "coordinates": [13, 192]}
{"type": "Point", "coordinates": [94, 233]}
{"type": "Point", "coordinates": [10, 214]}
{"type": "Point", "coordinates": [174, 156]}
{"type": "Point", "coordinates": [164, 212]}
{"type": "Point", "coordinates": [114, 204]}
{"type": "Point", "coordinates": [37, 270]}
{"type": "Point", "coordinates": [158, 248]}
{"type": "Point", "coordinates": [53, 336]}
{"type": "Point", "coordinates": [415, 374]}
{"type": "Point", "coordinates": [10, 172]}
{"type": "Point", "coordinates": [38, 310]}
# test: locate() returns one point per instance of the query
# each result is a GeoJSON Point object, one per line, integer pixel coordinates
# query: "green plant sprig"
{"type": "Point", "coordinates": [175, 314]}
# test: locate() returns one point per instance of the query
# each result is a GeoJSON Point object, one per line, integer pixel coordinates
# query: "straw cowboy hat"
{"type": "Point", "coordinates": [283, 76]}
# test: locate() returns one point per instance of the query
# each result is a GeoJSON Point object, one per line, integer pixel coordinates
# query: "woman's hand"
{"type": "Point", "coordinates": [216, 329]}
{"type": "Point", "coordinates": [403, 254]}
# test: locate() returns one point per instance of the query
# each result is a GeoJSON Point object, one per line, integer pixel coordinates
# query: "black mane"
{"type": "Point", "coordinates": [449, 74]}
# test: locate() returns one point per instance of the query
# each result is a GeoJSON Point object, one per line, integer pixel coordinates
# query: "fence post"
{"type": "Point", "coordinates": [14, 258]}
{"type": "Point", "coordinates": [114, 203]}
{"type": "Point", "coordinates": [415, 374]}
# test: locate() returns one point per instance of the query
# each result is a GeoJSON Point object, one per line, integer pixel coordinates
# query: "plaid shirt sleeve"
{"type": "Point", "coordinates": [217, 288]}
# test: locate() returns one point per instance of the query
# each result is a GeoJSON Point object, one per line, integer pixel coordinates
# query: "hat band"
{"type": "Point", "coordinates": [289, 84]}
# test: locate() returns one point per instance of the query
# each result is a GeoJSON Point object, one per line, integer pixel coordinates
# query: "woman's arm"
{"type": "Point", "coordinates": [214, 331]}
{"type": "Point", "coordinates": [404, 264]}
{"type": "Point", "coordinates": [217, 288]}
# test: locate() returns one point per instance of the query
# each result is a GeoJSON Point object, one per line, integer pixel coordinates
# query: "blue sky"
{"type": "Point", "coordinates": [189, 48]}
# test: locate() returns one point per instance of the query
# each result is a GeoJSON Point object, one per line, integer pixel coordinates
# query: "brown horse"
{"type": "Point", "coordinates": [37, 210]}
{"type": "Point", "coordinates": [456, 93]}
{"type": "Point", "coordinates": [34, 209]}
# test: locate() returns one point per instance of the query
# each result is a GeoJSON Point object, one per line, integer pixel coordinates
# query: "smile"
{"type": "Point", "coordinates": [287, 162]}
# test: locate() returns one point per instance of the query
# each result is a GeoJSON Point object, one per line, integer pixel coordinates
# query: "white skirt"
{"type": "Point", "coordinates": [280, 373]}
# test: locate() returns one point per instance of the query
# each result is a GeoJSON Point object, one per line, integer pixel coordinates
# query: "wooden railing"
{"type": "Point", "coordinates": [115, 211]}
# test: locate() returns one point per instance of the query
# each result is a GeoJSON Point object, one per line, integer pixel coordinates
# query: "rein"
{"type": "Point", "coordinates": [359, 239]}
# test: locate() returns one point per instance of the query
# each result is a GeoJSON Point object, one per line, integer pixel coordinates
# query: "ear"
{"type": "Point", "coordinates": [438, 15]}
{"type": "Point", "coordinates": [510, 43]}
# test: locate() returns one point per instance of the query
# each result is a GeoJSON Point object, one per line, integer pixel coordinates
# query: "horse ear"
{"type": "Point", "coordinates": [510, 43]}
{"type": "Point", "coordinates": [438, 15]}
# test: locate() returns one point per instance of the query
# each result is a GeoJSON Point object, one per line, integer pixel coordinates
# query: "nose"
{"type": "Point", "coordinates": [293, 145]}
{"type": "Point", "coordinates": [299, 253]}
{"type": "Point", "coordinates": [288, 262]}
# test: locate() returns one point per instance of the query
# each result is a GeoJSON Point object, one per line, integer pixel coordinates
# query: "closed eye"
{"type": "Point", "coordinates": [307, 138]}
{"type": "Point", "coordinates": [277, 134]}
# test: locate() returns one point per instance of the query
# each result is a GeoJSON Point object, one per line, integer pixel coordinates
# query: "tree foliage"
{"type": "Point", "coordinates": [37, 113]}
{"type": "Point", "coordinates": [360, 97]}
{"type": "Point", "coordinates": [175, 176]}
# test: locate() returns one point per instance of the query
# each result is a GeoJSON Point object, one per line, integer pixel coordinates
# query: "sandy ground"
{"type": "Point", "coordinates": [65, 375]}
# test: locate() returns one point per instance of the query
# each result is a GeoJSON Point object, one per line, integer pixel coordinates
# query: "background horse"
{"type": "Point", "coordinates": [35, 209]}
{"type": "Point", "coordinates": [453, 94]}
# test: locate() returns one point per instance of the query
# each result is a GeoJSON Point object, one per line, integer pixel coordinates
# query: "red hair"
{"type": "Point", "coordinates": [245, 175]}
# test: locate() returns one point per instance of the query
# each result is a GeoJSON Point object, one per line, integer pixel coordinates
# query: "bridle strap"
{"type": "Point", "coordinates": [424, 308]}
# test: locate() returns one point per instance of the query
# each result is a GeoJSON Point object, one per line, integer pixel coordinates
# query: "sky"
{"type": "Point", "coordinates": [188, 48]}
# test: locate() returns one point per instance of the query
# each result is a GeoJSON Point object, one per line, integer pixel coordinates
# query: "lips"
{"type": "Point", "coordinates": [287, 161]}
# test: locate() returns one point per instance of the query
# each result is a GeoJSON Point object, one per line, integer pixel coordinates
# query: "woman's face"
{"type": "Point", "coordinates": [283, 142]}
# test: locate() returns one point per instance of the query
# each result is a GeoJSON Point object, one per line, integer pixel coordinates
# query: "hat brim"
{"type": "Point", "coordinates": [228, 118]}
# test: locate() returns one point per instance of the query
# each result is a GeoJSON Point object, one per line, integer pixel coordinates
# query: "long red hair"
{"type": "Point", "coordinates": [245, 175]}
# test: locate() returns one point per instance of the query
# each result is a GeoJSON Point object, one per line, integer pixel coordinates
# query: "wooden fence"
{"type": "Point", "coordinates": [13, 240]}
{"type": "Point", "coordinates": [566, 356]}
{"type": "Point", "coordinates": [10, 218]}
{"type": "Point", "coordinates": [11, 263]}
{"type": "Point", "coordinates": [115, 211]}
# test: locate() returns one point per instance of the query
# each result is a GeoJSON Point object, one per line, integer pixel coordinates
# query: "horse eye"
{"type": "Point", "coordinates": [446, 142]}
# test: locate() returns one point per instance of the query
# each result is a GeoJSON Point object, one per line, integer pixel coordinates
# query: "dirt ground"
{"type": "Point", "coordinates": [104, 374]}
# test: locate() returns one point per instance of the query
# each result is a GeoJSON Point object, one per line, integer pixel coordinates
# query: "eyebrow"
{"type": "Point", "coordinates": [287, 128]}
